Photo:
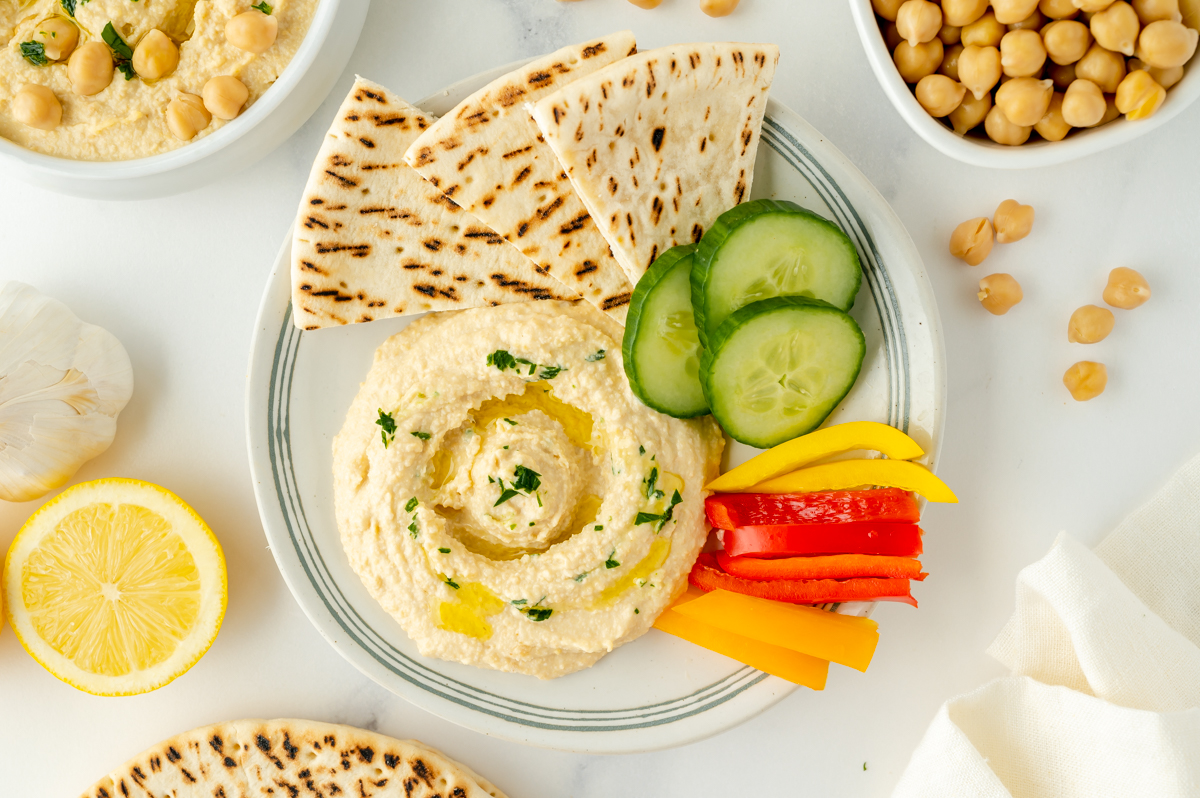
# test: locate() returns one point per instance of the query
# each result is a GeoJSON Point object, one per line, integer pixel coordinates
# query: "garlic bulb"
{"type": "Point", "coordinates": [62, 384]}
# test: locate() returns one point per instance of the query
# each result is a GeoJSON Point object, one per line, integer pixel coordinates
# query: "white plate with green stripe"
{"type": "Point", "coordinates": [658, 691]}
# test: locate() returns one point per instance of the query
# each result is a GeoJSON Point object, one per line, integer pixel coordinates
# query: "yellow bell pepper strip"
{"type": "Point", "coordinates": [825, 635]}
{"type": "Point", "coordinates": [812, 447]}
{"type": "Point", "coordinates": [775, 660]}
{"type": "Point", "coordinates": [844, 474]}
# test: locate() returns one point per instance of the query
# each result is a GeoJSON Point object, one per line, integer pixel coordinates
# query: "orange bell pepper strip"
{"type": "Point", "coordinates": [836, 566]}
{"type": "Point", "coordinates": [843, 474]}
{"type": "Point", "coordinates": [732, 510]}
{"type": "Point", "coordinates": [778, 661]}
{"type": "Point", "coordinates": [844, 639]}
{"type": "Point", "coordinates": [814, 446]}
{"type": "Point", "coordinates": [707, 576]}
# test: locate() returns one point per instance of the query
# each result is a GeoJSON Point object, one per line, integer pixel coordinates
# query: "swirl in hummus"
{"type": "Point", "coordinates": [527, 512]}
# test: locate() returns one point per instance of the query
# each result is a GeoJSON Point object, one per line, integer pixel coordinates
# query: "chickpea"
{"type": "Point", "coordinates": [224, 96]}
{"type": "Point", "coordinates": [1190, 9]}
{"type": "Point", "coordinates": [1025, 101]}
{"type": "Point", "coordinates": [915, 63]}
{"type": "Point", "coordinates": [1139, 96]}
{"type": "Point", "coordinates": [155, 56]}
{"type": "Point", "coordinates": [1052, 126]}
{"type": "Point", "coordinates": [979, 69]}
{"type": "Point", "coordinates": [1153, 10]}
{"type": "Point", "coordinates": [646, 3]}
{"type": "Point", "coordinates": [187, 116]}
{"type": "Point", "coordinates": [1092, 6]}
{"type": "Point", "coordinates": [887, 8]}
{"type": "Point", "coordinates": [891, 36]}
{"type": "Point", "coordinates": [90, 69]}
{"type": "Point", "coordinates": [36, 106]}
{"type": "Point", "coordinates": [983, 32]}
{"type": "Point", "coordinates": [1090, 324]}
{"type": "Point", "coordinates": [1002, 131]}
{"type": "Point", "coordinates": [970, 113]}
{"type": "Point", "coordinates": [999, 293]}
{"type": "Point", "coordinates": [972, 240]}
{"type": "Point", "coordinates": [1083, 104]}
{"type": "Point", "coordinates": [1103, 67]}
{"type": "Point", "coordinates": [1066, 41]}
{"type": "Point", "coordinates": [1063, 76]}
{"type": "Point", "coordinates": [1012, 221]}
{"type": "Point", "coordinates": [1165, 44]}
{"type": "Point", "coordinates": [963, 12]}
{"type": "Point", "coordinates": [58, 37]}
{"type": "Point", "coordinates": [1126, 289]}
{"type": "Point", "coordinates": [950, 34]}
{"type": "Point", "coordinates": [1163, 77]}
{"type": "Point", "coordinates": [918, 21]}
{"type": "Point", "coordinates": [1022, 53]}
{"type": "Point", "coordinates": [715, 8]}
{"type": "Point", "coordinates": [1058, 9]}
{"type": "Point", "coordinates": [1111, 111]}
{"type": "Point", "coordinates": [252, 31]}
{"type": "Point", "coordinates": [1116, 27]}
{"type": "Point", "coordinates": [1033, 22]}
{"type": "Point", "coordinates": [939, 95]}
{"type": "Point", "coordinates": [949, 66]}
{"type": "Point", "coordinates": [1010, 11]}
{"type": "Point", "coordinates": [1086, 380]}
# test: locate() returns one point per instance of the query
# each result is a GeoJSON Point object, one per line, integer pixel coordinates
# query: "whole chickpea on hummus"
{"type": "Point", "coordinates": [114, 80]}
{"type": "Point", "coordinates": [505, 497]}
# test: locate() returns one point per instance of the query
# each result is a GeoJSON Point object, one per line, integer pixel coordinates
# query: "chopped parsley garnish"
{"type": "Point", "coordinates": [641, 450]}
{"type": "Point", "coordinates": [444, 550]}
{"type": "Point", "coordinates": [505, 494]}
{"type": "Point", "coordinates": [537, 614]}
{"type": "Point", "coordinates": [598, 355]}
{"type": "Point", "coordinates": [263, 7]}
{"type": "Point", "coordinates": [503, 360]}
{"type": "Point", "coordinates": [69, 6]}
{"type": "Point", "coordinates": [611, 562]}
{"type": "Point", "coordinates": [518, 602]}
{"type": "Point", "coordinates": [635, 610]}
{"type": "Point", "coordinates": [422, 435]}
{"type": "Point", "coordinates": [527, 481]}
{"type": "Point", "coordinates": [651, 481]}
{"type": "Point", "coordinates": [412, 530]}
{"type": "Point", "coordinates": [510, 421]}
{"type": "Point", "coordinates": [122, 52]}
{"type": "Point", "coordinates": [452, 583]}
{"type": "Point", "coordinates": [34, 53]}
{"type": "Point", "coordinates": [411, 505]}
{"type": "Point", "coordinates": [582, 576]}
{"type": "Point", "coordinates": [599, 527]}
{"type": "Point", "coordinates": [662, 518]}
{"type": "Point", "coordinates": [387, 424]}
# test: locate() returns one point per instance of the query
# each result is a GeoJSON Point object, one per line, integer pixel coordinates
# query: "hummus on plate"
{"type": "Point", "coordinates": [504, 496]}
{"type": "Point", "coordinates": [128, 118]}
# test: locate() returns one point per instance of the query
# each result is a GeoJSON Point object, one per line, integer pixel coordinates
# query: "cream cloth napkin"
{"type": "Point", "coordinates": [1104, 696]}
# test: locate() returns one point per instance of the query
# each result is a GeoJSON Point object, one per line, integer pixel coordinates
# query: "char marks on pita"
{"type": "Point", "coordinates": [374, 239]}
{"type": "Point", "coordinates": [487, 156]}
{"type": "Point", "coordinates": [658, 145]}
{"type": "Point", "coordinates": [272, 758]}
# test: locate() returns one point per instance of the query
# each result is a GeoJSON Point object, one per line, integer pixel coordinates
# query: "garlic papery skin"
{"type": "Point", "coordinates": [62, 384]}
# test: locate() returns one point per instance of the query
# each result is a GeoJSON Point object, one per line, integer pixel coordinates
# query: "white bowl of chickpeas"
{"type": "Point", "coordinates": [156, 100]}
{"type": "Point", "coordinates": [1025, 83]}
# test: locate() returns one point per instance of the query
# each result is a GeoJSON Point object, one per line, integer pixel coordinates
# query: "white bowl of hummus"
{"type": "Point", "coordinates": [155, 122]}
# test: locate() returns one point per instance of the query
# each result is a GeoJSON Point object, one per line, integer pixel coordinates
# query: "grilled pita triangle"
{"type": "Point", "coordinates": [488, 156]}
{"type": "Point", "coordinates": [658, 145]}
{"type": "Point", "coordinates": [374, 239]}
{"type": "Point", "coordinates": [270, 758]}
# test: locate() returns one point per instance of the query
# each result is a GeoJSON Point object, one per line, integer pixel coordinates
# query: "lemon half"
{"type": "Point", "coordinates": [115, 586]}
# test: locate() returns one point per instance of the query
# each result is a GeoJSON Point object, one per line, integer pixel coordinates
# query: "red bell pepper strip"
{"type": "Point", "coordinates": [799, 540]}
{"type": "Point", "coordinates": [837, 566]}
{"type": "Point", "coordinates": [733, 510]}
{"type": "Point", "coordinates": [707, 576]}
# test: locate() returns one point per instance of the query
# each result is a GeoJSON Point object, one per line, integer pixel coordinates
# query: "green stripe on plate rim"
{"type": "Point", "coordinates": [521, 713]}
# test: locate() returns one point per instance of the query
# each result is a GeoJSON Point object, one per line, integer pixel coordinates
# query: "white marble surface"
{"type": "Point", "coordinates": [179, 281]}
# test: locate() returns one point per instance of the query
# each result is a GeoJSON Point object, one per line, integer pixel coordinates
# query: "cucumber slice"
{"type": "Point", "coordinates": [767, 248]}
{"type": "Point", "coordinates": [661, 347]}
{"type": "Point", "coordinates": [778, 367]}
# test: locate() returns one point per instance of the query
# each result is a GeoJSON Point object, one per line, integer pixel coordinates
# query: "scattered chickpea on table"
{"type": "Point", "coordinates": [1019, 67]}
